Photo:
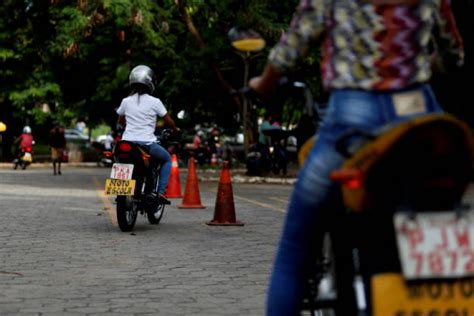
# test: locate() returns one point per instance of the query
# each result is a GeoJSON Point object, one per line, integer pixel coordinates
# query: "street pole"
{"type": "Point", "coordinates": [245, 103]}
{"type": "Point", "coordinates": [246, 41]}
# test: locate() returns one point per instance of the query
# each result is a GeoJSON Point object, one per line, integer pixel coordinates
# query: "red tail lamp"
{"type": "Point", "coordinates": [108, 154]}
{"type": "Point", "coordinates": [125, 147]}
{"type": "Point", "coordinates": [28, 149]}
{"type": "Point", "coordinates": [350, 178]}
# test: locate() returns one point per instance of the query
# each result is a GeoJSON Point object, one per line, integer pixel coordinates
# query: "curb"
{"type": "Point", "coordinates": [204, 175]}
{"type": "Point", "coordinates": [42, 165]}
{"type": "Point", "coordinates": [252, 180]}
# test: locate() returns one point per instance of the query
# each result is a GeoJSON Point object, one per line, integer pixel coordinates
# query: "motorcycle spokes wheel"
{"type": "Point", "coordinates": [126, 213]}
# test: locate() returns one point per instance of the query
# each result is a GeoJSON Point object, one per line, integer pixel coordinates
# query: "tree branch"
{"type": "Point", "coordinates": [200, 42]}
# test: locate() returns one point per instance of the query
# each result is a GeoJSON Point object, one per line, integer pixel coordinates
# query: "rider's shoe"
{"type": "Point", "coordinates": [163, 200]}
{"type": "Point", "coordinates": [155, 197]}
{"type": "Point", "coordinates": [151, 198]}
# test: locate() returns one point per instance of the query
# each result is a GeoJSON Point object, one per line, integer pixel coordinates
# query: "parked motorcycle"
{"type": "Point", "coordinates": [261, 158]}
{"type": "Point", "coordinates": [132, 180]}
{"type": "Point", "coordinates": [24, 158]}
{"type": "Point", "coordinates": [105, 158]}
{"type": "Point", "coordinates": [278, 155]}
{"type": "Point", "coordinates": [210, 147]}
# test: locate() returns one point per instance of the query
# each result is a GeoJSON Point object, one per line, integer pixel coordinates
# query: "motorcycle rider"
{"type": "Point", "coordinates": [267, 124]}
{"type": "Point", "coordinates": [376, 75]}
{"type": "Point", "coordinates": [25, 140]}
{"type": "Point", "coordinates": [139, 112]}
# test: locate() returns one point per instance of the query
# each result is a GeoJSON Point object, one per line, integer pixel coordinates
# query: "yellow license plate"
{"type": "Point", "coordinates": [27, 157]}
{"type": "Point", "coordinates": [119, 187]}
{"type": "Point", "coordinates": [391, 296]}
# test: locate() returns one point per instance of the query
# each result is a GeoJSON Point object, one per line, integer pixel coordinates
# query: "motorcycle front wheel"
{"type": "Point", "coordinates": [155, 214]}
{"type": "Point", "coordinates": [126, 213]}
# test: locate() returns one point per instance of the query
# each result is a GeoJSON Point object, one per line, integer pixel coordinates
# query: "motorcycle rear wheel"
{"type": "Point", "coordinates": [126, 213]}
{"type": "Point", "coordinates": [155, 214]}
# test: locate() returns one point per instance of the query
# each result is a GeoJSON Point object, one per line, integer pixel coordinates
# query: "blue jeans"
{"type": "Point", "coordinates": [160, 157]}
{"type": "Point", "coordinates": [315, 194]}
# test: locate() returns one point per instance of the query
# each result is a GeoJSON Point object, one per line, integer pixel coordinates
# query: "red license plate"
{"type": "Point", "coordinates": [435, 245]}
{"type": "Point", "coordinates": [121, 171]}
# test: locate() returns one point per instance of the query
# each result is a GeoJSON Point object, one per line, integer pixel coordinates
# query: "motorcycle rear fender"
{"type": "Point", "coordinates": [373, 155]}
{"type": "Point", "coordinates": [134, 156]}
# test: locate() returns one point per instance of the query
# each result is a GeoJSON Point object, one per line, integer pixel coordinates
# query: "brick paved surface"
{"type": "Point", "coordinates": [60, 252]}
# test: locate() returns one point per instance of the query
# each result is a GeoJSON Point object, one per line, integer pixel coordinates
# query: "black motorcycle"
{"type": "Point", "coordinates": [263, 158]}
{"type": "Point", "coordinates": [133, 179]}
{"type": "Point", "coordinates": [401, 242]}
{"type": "Point", "coordinates": [402, 246]}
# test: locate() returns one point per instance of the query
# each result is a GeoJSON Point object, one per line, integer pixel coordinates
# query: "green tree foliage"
{"type": "Point", "coordinates": [75, 55]}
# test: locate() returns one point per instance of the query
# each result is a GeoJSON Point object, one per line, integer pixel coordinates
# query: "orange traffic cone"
{"type": "Point", "coordinates": [191, 198]}
{"type": "Point", "coordinates": [224, 213]}
{"type": "Point", "coordinates": [174, 186]}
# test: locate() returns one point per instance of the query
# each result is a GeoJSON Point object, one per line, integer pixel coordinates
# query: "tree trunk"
{"type": "Point", "coordinates": [199, 40]}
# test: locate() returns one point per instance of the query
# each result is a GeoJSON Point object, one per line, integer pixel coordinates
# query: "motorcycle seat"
{"type": "Point", "coordinates": [425, 163]}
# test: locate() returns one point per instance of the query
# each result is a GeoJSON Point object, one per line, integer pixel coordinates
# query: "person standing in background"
{"type": "Point", "coordinates": [57, 142]}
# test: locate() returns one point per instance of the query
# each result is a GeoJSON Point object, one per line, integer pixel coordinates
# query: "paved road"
{"type": "Point", "coordinates": [61, 251]}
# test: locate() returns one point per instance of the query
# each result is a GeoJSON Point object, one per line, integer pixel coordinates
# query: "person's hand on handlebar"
{"type": "Point", "coordinates": [266, 82]}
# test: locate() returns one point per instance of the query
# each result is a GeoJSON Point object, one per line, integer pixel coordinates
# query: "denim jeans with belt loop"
{"type": "Point", "coordinates": [160, 157]}
{"type": "Point", "coordinates": [314, 193]}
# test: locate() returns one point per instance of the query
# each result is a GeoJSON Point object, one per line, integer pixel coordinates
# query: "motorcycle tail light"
{"type": "Point", "coordinates": [28, 149]}
{"type": "Point", "coordinates": [108, 154]}
{"type": "Point", "coordinates": [350, 178]}
{"type": "Point", "coordinates": [125, 147]}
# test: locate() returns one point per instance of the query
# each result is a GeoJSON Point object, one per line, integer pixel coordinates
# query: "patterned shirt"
{"type": "Point", "coordinates": [371, 47]}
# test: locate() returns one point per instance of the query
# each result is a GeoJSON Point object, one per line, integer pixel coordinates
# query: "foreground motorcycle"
{"type": "Point", "coordinates": [24, 159]}
{"type": "Point", "coordinates": [132, 180]}
{"type": "Point", "coordinates": [405, 245]}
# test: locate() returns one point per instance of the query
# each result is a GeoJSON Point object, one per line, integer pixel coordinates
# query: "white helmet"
{"type": "Point", "coordinates": [27, 130]}
{"type": "Point", "coordinates": [144, 75]}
